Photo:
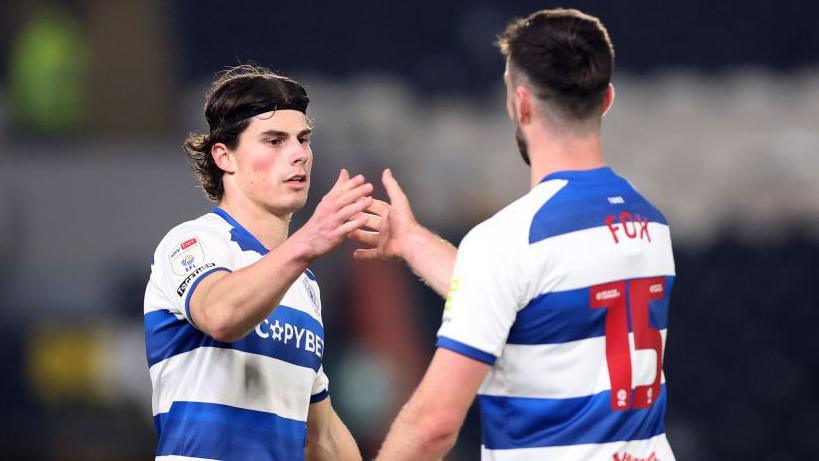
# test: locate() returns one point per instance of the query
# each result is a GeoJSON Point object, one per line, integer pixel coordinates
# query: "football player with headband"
{"type": "Point", "coordinates": [233, 326]}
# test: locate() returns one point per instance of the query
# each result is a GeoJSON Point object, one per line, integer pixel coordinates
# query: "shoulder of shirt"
{"type": "Point", "coordinates": [509, 227]}
{"type": "Point", "coordinates": [208, 224]}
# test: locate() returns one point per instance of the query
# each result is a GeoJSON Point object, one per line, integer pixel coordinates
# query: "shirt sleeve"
{"type": "Point", "coordinates": [321, 387]}
{"type": "Point", "coordinates": [190, 254]}
{"type": "Point", "coordinates": [483, 298]}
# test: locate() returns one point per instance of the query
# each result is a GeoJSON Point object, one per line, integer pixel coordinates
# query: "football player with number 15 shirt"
{"type": "Point", "coordinates": [557, 306]}
{"type": "Point", "coordinates": [233, 325]}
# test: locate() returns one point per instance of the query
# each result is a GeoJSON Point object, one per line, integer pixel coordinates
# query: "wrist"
{"type": "Point", "coordinates": [300, 250]}
{"type": "Point", "coordinates": [415, 240]}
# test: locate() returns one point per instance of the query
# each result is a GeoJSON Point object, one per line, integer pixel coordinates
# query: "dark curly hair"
{"type": "Point", "coordinates": [235, 89]}
{"type": "Point", "coordinates": [566, 56]}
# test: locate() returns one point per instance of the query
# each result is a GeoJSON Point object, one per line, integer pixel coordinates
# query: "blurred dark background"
{"type": "Point", "coordinates": [716, 121]}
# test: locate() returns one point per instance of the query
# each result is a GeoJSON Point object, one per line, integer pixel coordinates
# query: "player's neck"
{"type": "Point", "coordinates": [563, 153]}
{"type": "Point", "coordinates": [270, 229]}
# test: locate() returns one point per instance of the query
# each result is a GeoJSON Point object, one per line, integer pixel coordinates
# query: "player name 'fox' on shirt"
{"type": "Point", "coordinates": [229, 401]}
{"type": "Point", "coordinates": [565, 293]}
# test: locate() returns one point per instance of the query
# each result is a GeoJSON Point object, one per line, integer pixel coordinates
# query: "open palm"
{"type": "Point", "coordinates": [390, 224]}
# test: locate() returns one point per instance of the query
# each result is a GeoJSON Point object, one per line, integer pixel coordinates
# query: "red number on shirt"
{"type": "Point", "coordinates": [612, 296]}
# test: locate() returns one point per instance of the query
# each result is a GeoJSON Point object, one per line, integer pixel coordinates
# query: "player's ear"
{"type": "Point", "coordinates": [223, 157]}
{"type": "Point", "coordinates": [523, 108]}
{"type": "Point", "coordinates": [608, 99]}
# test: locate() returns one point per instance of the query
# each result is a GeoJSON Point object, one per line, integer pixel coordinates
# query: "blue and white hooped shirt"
{"type": "Point", "coordinates": [247, 399]}
{"type": "Point", "coordinates": [565, 293]}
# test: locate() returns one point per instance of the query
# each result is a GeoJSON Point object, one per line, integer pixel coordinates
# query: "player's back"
{"type": "Point", "coordinates": [589, 269]}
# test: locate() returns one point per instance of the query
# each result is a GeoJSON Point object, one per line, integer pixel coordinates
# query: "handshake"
{"type": "Point", "coordinates": [388, 230]}
{"type": "Point", "coordinates": [348, 210]}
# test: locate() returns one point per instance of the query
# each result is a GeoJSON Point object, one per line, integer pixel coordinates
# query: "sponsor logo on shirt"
{"type": "Point", "coordinates": [608, 294]}
{"type": "Point", "coordinates": [183, 287]}
{"type": "Point", "coordinates": [630, 457]}
{"type": "Point", "coordinates": [291, 335]}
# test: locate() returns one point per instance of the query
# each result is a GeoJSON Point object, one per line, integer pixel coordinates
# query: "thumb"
{"type": "Point", "coordinates": [394, 191]}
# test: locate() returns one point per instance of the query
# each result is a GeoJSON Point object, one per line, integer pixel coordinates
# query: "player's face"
{"type": "Point", "coordinates": [273, 161]}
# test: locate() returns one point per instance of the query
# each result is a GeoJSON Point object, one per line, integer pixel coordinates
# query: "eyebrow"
{"type": "Point", "coordinates": [284, 134]}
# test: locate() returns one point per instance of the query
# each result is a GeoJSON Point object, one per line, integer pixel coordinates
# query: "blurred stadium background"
{"type": "Point", "coordinates": [716, 121]}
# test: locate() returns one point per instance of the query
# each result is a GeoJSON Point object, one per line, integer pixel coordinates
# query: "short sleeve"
{"type": "Point", "coordinates": [321, 387]}
{"type": "Point", "coordinates": [188, 255]}
{"type": "Point", "coordinates": [483, 299]}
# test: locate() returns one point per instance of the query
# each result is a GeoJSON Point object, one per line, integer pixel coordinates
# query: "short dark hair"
{"type": "Point", "coordinates": [566, 55]}
{"type": "Point", "coordinates": [234, 90]}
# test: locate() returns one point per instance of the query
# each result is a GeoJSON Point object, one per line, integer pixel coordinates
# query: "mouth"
{"type": "Point", "coordinates": [297, 179]}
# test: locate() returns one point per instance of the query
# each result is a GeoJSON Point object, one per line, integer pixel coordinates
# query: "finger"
{"type": "Point", "coordinates": [351, 225]}
{"type": "Point", "coordinates": [362, 236]}
{"type": "Point", "coordinates": [373, 221]}
{"type": "Point", "coordinates": [353, 209]}
{"type": "Point", "coordinates": [343, 176]}
{"type": "Point", "coordinates": [351, 184]}
{"type": "Point", "coordinates": [354, 194]}
{"type": "Point", "coordinates": [370, 253]}
{"type": "Point", "coordinates": [379, 207]}
{"type": "Point", "coordinates": [394, 190]}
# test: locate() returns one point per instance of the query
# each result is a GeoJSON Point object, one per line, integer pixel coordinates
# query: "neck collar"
{"type": "Point", "coordinates": [593, 174]}
{"type": "Point", "coordinates": [240, 235]}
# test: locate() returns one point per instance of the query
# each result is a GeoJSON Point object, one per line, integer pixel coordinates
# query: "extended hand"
{"type": "Point", "coordinates": [391, 224]}
{"type": "Point", "coordinates": [338, 214]}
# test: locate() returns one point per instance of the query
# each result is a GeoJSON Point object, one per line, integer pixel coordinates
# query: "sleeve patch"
{"type": "Point", "coordinates": [183, 287]}
{"type": "Point", "coordinates": [450, 297]}
{"type": "Point", "coordinates": [186, 256]}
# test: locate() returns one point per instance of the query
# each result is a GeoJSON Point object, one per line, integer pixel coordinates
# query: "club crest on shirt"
{"type": "Point", "coordinates": [186, 255]}
{"type": "Point", "coordinates": [311, 292]}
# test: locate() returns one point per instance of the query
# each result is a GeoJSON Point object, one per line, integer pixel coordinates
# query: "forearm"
{"type": "Point", "coordinates": [431, 257]}
{"type": "Point", "coordinates": [428, 425]}
{"type": "Point", "coordinates": [331, 441]}
{"type": "Point", "coordinates": [239, 301]}
{"type": "Point", "coordinates": [228, 306]}
{"type": "Point", "coordinates": [415, 436]}
{"type": "Point", "coordinates": [341, 447]}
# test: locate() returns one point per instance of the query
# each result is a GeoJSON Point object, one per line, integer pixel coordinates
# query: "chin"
{"type": "Point", "coordinates": [290, 207]}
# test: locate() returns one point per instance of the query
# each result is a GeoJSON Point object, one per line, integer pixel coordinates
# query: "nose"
{"type": "Point", "coordinates": [298, 152]}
